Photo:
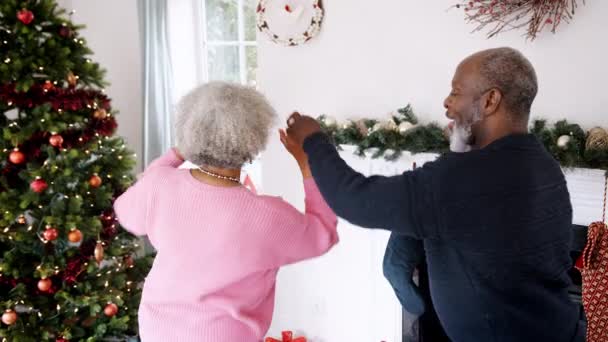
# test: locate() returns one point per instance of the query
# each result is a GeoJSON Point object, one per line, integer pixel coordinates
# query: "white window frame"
{"type": "Point", "coordinates": [203, 44]}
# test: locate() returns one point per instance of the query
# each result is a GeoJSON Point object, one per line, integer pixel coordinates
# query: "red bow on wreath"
{"type": "Point", "coordinates": [287, 336]}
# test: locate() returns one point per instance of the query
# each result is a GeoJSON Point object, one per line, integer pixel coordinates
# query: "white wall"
{"type": "Point", "coordinates": [112, 33]}
{"type": "Point", "coordinates": [374, 57]}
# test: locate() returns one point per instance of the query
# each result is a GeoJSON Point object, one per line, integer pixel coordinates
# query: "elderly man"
{"type": "Point", "coordinates": [495, 221]}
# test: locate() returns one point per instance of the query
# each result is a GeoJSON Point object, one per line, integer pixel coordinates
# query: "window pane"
{"type": "Point", "coordinates": [252, 64]}
{"type": "Point", "coordinates": [224, 63]}
{"type": "Point", "coordinates": [222, 20]}
{"type": "Point", "coordinates": [250, 19]}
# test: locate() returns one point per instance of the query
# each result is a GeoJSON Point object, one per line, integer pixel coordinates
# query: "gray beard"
{"type": "Point", "coordinates": [461, 134]}
{"type": "Point", "coordinates": [459, 139]}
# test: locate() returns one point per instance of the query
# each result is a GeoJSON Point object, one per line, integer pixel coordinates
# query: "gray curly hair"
{"type": "Point", "coordinates": [222, 124]}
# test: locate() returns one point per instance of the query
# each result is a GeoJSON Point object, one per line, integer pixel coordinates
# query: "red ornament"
{"type": "Point", "coordinates": [61, 339]}
{"type": "Point", "coordinates": [16, 157]}
{"type": "Point", "coordinates": [286, 336]}
{"type": "Point", "coordinates": [48, 85]}
{"type": "Point", "coordinates": [38, 186]}
{"type": "Point", "coordinates": [44, 284]}
{"type": "Point", "coordinates": [25, 16]}
{"type": "Point", "coordinates": [95, 181]}
{"type": "Point", "coordinates": [50, 234]}
{"type": "Point", "coordinates": [110, 310]}
{"type": "Point", "coordinates": [288, 8]}
{"type": "Point", "coordinates": [65, 32]}
{"type": "Point", "coordinates": [56, 140]}
{"type": "Point", "coordinates": [9, 317]}
{"type": "Point", "coordinates": [75, 235]}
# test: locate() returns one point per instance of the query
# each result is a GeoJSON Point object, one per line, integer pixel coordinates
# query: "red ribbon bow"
{"type": "Point", "coordinates": [287, 336]}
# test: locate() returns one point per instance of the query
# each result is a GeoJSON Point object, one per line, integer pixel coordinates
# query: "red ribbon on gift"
{"type": "Point", "coordinates": [286, 336]}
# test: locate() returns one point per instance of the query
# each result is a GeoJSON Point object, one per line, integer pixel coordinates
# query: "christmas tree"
{"type": "Point", "coordinates": [67, 269]}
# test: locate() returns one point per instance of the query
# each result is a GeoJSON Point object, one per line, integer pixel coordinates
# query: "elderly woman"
{"type": "Point", "coordinates": [219, 246]}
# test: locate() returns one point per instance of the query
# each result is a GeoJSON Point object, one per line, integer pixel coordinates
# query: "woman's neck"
{"type": "Point", "coordinates": [217, 176]}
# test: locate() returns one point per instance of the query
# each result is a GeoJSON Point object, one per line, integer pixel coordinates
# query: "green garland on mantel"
{"type": "Point", "coordinates": [568, 143]}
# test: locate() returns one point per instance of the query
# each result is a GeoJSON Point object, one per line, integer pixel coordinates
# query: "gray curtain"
{"type": "Point", "coordinates": [158, 99]}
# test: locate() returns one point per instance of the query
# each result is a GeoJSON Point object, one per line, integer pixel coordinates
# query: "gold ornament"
{"type": "Point", "coordinates": [100, 114]}
{"type": "Point", "coordinates": [98, 252]}
{"type": "Point", "coordinates": [21, 219]}
{"type": "Point", "coordinates": [597, 139]}
{"type": "Point", "coordinates": [72, 79]}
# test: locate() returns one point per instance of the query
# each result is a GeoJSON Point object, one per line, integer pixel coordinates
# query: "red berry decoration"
{"type": "Point", "coordinates": [38, 186]}
{"type": "Point", "coordinates": [50, 234]}
{"type": "Point", "coordinates": [56, 140]}
{"type": "Point", "coordinates": [25, 16]}
{"type": "Point", "coordinates": [110, 310]}
{"type": "Point", "coordinates": [16, 157]}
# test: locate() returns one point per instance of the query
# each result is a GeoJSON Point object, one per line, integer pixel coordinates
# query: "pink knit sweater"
{"type": "Point", "coordinates": [218, 252]}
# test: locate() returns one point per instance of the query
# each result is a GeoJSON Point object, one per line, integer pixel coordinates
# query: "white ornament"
{"type": "Point", "coordinates": [405, 126]}
{"type": "Point", "coordinates": [391, 125]}
{"type": "Point", "coordinates": [562, 142]}
{"type": "Point", "coordinates": [330, 121]}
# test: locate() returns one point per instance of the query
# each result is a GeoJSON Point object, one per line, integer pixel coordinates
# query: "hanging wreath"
{"type": "Point", "coordinates": [289, 22]}
{"type": "Point", "coordinates": [506, 15]}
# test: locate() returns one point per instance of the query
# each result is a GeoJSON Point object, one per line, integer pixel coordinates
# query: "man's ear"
{"type": "Point", "coordinates": [491, 101]}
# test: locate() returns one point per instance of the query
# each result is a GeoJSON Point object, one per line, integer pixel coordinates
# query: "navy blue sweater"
{"type": "Point", "coordinates": [496, 225]}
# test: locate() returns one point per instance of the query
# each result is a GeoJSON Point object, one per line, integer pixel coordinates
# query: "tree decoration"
{"type": "Point", "coordinates": [99, 253]}
{"type": "Point", "coordinates": [44, 284]}
{"type": "Point", "coordinates": [25, 16]}
{"type": "Point", "coordinates": [505, 15]}
{"type": "Point", "coordinates": [16, 157]}
{"type": "Point", "coordinates": [75, 235]}
{"type": "Point", "coordinates": [39, 185]}
{"type": "Point", "coordinates": [50, 233]}
{"type": "Point", "coordinates": [56, 140]}
{"type": "Point", "coordinates": [110, 310]}
{"type": "Point", "coordinates": [72, 79]}
{"type": "Point", "coordinates": [95, 181]}
{"type": "Point", "coordinates": [9, 317]}
{"type": "Point", "coordinates": [289, 23]}
{"type": "Point", "coordinates": [100, 114]}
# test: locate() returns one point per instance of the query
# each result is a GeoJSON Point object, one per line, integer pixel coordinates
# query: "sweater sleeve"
{"type": "Point", "coordinates": [131, 207]}
{"type": "Point", "coordinates": [303, 235]}
{"type": "Point", "coordinates": [404, 203]}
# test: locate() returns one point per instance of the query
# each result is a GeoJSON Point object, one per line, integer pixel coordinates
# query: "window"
{"type": "Point", "coordinates": [229, 40]}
